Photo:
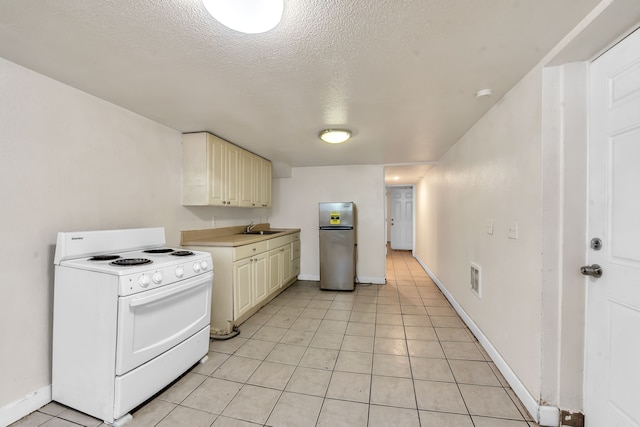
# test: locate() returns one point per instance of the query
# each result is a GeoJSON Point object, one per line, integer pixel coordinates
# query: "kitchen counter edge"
{"type": "Point", "coordinates": [218, 237]}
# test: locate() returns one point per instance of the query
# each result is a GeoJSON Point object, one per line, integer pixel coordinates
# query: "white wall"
{"type": "Point", "coordinates": [492, 174]}
{"type": "Point", "coordinates": [295, 204]}
{"type": "Point", "coordinates": [68, 161]}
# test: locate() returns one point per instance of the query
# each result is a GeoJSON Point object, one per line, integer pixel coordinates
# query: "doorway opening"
{"type": "Point", "coordinates": [400, 217]}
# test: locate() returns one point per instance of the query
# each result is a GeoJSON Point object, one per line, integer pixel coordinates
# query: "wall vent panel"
{"type": "Point", "coordinates": [476, 279]}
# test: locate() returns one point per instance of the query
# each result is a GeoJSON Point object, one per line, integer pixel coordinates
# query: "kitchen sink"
{"type": "Point", "coordinates": [262, 232]}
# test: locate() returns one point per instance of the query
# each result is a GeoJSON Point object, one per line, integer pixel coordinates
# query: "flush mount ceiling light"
{"type": "Point", "coordinates": [483, 92]}
{"type": "Point", "coordinates": [334, 136]}
{"type": "Point", "coordinates": [246, 16]}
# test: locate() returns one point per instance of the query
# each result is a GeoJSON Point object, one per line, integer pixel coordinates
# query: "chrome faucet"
{"type": "Point", "coordinates": [249, 227]}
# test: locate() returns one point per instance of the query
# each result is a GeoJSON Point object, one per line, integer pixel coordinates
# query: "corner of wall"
{"type": "Point", "coordinates": [20, 408]}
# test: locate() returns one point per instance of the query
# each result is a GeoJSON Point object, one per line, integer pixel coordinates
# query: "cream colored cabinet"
{"type": "Point", "coordinates": [217, 179]}
{"type": "Point", "coordinates": [210, 170]}
{"type": "Point", "coordinates": [281, 270]}
{"type": "Point", "coordinates": [247, 277]}
{"type": "Point", "coordinates": [232, 175]}
{"type": "Point", "coordinates": [218, 173]}
{"type": "Point", "coordinates": [259, 285]}
{"type": "Point", "coordinates": [279, 267]}
{"type": "Point", "coordinates": [246, 179]}
{"type": "Point", "coordinates": [295, 256]}
{"type": "Point", "coordinates": [274, 258]}
{"type": "Point", "coordinates": [258, 174]}
{"type": "Point", "coordinates": [286, 264]}
{"type": "Point", "coordinates": [262, 176]}
{"type": "Point", "coordinates": [242, 273]}
{"type": "Point", "coordinates": [267, 177]}
{"type": "Point", "coordinates": [250, 283]}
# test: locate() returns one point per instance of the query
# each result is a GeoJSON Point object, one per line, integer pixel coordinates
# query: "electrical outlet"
{"type": "Point", "coordinates": [512, 232]}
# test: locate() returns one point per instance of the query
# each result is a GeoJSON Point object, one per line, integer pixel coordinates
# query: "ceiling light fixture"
{"type": "Point", "coordinates": [335, 136]}
{"type": "Point", "coordinates": [246, 16]}
{"type": "Point", "coordinates": [483, 92]}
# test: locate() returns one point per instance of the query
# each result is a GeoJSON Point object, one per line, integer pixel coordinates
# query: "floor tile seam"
{"type": "Point", "coordinates": [519, 405]}
{"type": "Point", "coordinates": [266, 421]}
{"type": "Point", "coordinates": [221, 410]}
{"type": "Point", "coordinates": [178, 405]}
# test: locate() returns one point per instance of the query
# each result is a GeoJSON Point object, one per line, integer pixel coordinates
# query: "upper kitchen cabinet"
{"type": "Point", "coordinates": [218, 173]}
{"type": "Point", "coordinates": [246, 179]}
{"type": "Point", "coordinates": [261, 182]}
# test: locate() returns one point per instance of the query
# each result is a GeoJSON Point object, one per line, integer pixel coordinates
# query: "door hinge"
{"type": "Point", "coordinates": [571, 419]}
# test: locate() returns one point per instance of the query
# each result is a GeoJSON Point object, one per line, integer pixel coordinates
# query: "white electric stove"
{"type": "Point", "coordinates": [130, 316]}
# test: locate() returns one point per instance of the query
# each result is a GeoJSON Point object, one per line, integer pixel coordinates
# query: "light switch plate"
{"type": "Point", "coordinates": [489, 226]}
{"type": "Point", "coordinates": [512, 232]}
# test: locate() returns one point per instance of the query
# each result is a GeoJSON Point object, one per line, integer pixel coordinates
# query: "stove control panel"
{"type": "Point", "coordinates": [163, 275]}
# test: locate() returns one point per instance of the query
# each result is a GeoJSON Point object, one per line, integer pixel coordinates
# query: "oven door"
{"type": "Point", "coordinates": [154, 321]}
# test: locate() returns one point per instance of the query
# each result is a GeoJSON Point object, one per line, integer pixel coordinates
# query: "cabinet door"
{"type": "Point", "coordinates": [258, 175]}
{"type": "Point", "coordinates": [286, 264]}
{"type": "Point", "coordinates": [260, 269]}
{"type": "Point", "coordinates": [246, 179]}
{"type": "Point", "coordinates": [232, 185]}
{"type": "Point", "coordinates": [216, 148]}
{"type": "Point", "coordinates": [266, 184]}
{"type": "Point", "coordinates": [274, 257]}
{"type": "Point", "coordinates": [242, 278]}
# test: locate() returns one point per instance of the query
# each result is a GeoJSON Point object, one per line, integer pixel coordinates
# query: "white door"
{"type": "Point", "coordinates": [401, 218]}
{"type": "Point", "coordinates": [612, 363]}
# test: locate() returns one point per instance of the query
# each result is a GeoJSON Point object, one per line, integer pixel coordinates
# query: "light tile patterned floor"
{"type": "Point", "coordinates": [384, 355]}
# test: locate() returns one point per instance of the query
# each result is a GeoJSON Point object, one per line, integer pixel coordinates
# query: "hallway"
{"type": "Point", "coordinates": [383, 355]}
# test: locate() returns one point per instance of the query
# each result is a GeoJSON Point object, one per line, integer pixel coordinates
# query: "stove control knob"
{"type": "Point", "coordinates": [179, 271]}
{"type": "Point", "coordinates": [144, 281]}
{"type": "Point", "coordinates": [204, 265]}
{"type": "Point", "coordinates": [157, 277]}
{"type": "Point", "coordinates": [196, 267]}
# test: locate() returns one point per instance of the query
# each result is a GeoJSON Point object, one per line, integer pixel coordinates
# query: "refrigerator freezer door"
{"type": "Point", "coordinates": [336, 214]}
{"type": "Point", "coordinates": [337, 259]}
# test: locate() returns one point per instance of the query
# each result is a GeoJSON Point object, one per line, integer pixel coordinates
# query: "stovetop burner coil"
{"type": "Point", "coordinates": [104, 257]}
{"type": "Point", "coordinates": [159, 251]}
{"type": "Point", "coordinates": [182, 253]}
{"type": "Point", "coordinates": [127, 262]}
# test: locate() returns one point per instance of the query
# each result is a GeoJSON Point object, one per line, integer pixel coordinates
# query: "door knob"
{"type": "Point", "coordinates": [591, 270]}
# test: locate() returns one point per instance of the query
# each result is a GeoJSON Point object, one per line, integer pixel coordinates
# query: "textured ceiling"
{"type": "Point", "coordinates": [401, 74]}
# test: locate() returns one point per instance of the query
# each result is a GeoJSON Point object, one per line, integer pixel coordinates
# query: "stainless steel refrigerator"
{"type": "Point", "coordinates": [337, 245]}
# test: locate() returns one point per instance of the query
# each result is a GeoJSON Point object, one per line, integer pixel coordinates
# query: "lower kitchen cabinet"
{"type": "Point", "coordinates": [280, 267]}
{"type": "Point", "coordinates": [274, 260]}
{"type": "Point", "coordinates": [250, 283]}
{"type": "Point", "coordinates": [246, 277]}
{"type": "Point", "coordinates": [242, 286]}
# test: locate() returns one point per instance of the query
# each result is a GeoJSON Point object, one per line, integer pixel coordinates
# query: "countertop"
{"type": "Point", "coordinates": [230, 236]}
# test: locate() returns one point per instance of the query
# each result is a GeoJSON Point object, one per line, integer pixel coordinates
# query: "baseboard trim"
{"type": "Point", "coordinates": [20, 408]}
{"type": "Point", "coordinates": [548, 416]}
{"type": "Point", "coordinates": [309, 277]}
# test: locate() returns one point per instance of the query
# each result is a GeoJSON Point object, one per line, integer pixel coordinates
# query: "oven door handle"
{"type": "Point", "coordinates": [136, 302]}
